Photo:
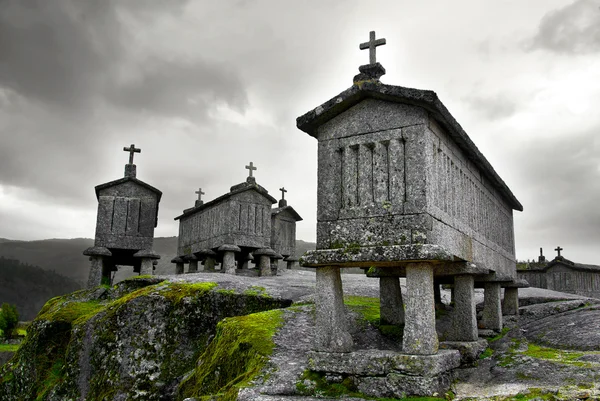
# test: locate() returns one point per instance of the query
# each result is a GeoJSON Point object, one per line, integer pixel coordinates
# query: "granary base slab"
{"type": "Point", "coordinates": [382, 373]}
{"type": "Point", "coordinates": [469, 350]}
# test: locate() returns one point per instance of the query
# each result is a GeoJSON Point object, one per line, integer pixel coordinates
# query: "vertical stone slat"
{"type": "Point", "coordinates": [365, 175]}
{"type": "Point", "coordinates": [105, 214]}
{"type": "Point", "coordinates": [380, 173]}
{"type": "Point", "coordinates": [133, 216]}
{"type": "Point", "coordinates": [120, 215]}
{"type": "Point", "coordinates": [396, 171]}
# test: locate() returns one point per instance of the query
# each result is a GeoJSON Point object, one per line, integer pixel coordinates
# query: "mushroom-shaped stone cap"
{"type": "Point", "coordinates": [265, 251]}
{"type": "Point", "coordinates": [277, 256]}
{"type": "Point", "coordinates": [177, 260]}
{"type": "Point", "coordinates": [291, 258]}
{"type": "Point", "coordinates": [146, 253]}
{"type": "Point", "coordinates": [97, 251]}
{"type": "Point", "coordinates": [207, 253]}
{"type": "Point", "coordinates": [227, 247]}
{"type": "Point", "coordinates": [190, 258]}
{"type": "Point", "coordinates": [517, 283]}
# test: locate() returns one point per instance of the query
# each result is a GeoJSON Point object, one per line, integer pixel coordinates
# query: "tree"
{"type": "Point", "coordinates": [9, 317]}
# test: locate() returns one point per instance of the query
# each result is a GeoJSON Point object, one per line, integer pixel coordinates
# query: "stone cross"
{"type": "Point", "coordinates": [132, 149]}
{"type": "Point", "coordinates": [371, 45]}
{"type": "Point", "coordinates": [251, 168]}
{"type": "Point", "coordinates": [283, 191]}
{"type": "Point", "coordinates": [558, 249]}
{"type": "Point", "coordinates": [200, 193]}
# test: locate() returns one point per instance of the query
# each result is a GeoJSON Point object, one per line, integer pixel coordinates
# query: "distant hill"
{"type": "Point", "coordinates": [29, 287]}
{"type": "Point", "coordinates": [64, 256]}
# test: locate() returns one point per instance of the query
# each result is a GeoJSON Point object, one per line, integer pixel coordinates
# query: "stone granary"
{"type": "Point", "coordinates": [236, 228]}
{"type": "Point", "coordinates": [283, 230]}
{"type": "Point", "coordinates": [403, 192]}
{"type": "Point", "coordinates": [561, 274]}
{"type": "Point", "coordinates": [127, 216]}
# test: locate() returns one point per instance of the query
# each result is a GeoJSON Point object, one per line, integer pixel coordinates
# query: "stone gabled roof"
{"type": "Point", "coordinates": [249, 185]}
{"type": "Point", "coordinates": [124, 180]}
{"type": "Point", "coordinates": [560, 260]}
{"type": "Point", "coordinates": [426, 99]}
{"type": "Point", "coordinates": [288, 209]}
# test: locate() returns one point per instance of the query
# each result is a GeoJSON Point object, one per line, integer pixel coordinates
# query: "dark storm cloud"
{"type": "Point", "coordinates": [69, 79]}
{"type": "Point", "coordinates": [573, 29]}
{"type": "Point", "coordinates": [561, 181]}
{"type": "Point", "coordinates": [492, 107]}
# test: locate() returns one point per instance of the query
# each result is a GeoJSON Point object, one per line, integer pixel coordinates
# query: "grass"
{"type": "Point", "coordinates": [9, 347]}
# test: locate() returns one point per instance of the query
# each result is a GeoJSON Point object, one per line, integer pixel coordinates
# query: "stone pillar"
{"type": "Point", "coordinates": [97, 265]}
{"type": "Point", "coordinates": [264, 256]}
{"type": "Point", "coordinates": [209, 259]}
{"type": "Point", "coordinates": [96, 271]}
{"type": "Point", "coordinates": [245, 261]}
{"type": "Point", "coordinates": [492, 313]}
{"type": "Point", "coordinates": [420, 337]}
{"type": "Point", "coordinates": [331, 333]}
{"type": "Point", "coordinates": [464, 315]}
{"type": "Point", "coordinates": [147, 256]}
{"type": "Point", "coordinates": [510, 305]}
{"type": "Point", "coordinates": [229, 251]}
{"type": "Point", "coordinates": [391, 307]}
{"type": "Point", "coordinates": [275, 263]}
{"type": "Point", "coordinates": [178, 265]}
{"type": "Point", "coordinates": [146, 267]}
{"type": "Point", "coordinates": [193, 268]}
{"type": "Point", "coordinates": [292, 262]}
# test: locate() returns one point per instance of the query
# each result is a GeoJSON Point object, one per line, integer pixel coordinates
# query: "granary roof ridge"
{"type": "Point", "coordinates": [542, 267]}
{"type": "Point", "coordinates": [109, 184]}
{"type": "Point", "coordinates": [236, 189]}
{"type": "Point", "coordinates": [418, 97]}
{"type": "Point", "coordinates": [290, 209]}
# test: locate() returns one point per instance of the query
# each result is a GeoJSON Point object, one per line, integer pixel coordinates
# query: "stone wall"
{"type": "Point", "coordinates": [563, 279]}
{"type": "Point", "coordinates": [126, 217]}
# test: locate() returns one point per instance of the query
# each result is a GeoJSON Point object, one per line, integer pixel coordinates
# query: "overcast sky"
{"type": "Point", "coordinates": [204, 87]}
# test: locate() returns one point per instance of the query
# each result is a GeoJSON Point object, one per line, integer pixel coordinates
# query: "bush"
{"type": "Point", "coordinates": [9, 317]}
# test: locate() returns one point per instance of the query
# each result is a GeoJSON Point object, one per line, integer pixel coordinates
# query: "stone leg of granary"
{"type": "Point", "coordinates": [420, 337]}
{"type": "Point", "coordinates": [146, 267]}
{"type": "Point", "coordinates": [179, 268]}
{"type": "Point", "coordinates": [263, 262]}
{"type": "Point", "coordinates": [96, 271]}
{"type": "Point", "coordinates": [99, 265]}
{"type": "Point", "coordinates": [331, 333]}
{"type": "Point", "coordinates": [292, 262]}
{"type": "Point", "coordinates": [209, 263]}
{"type": "Point", "coordinates": [229, 251]}
{"type": "Point", "coordinates": [464, 315]}
{"type": "Point", "coordinates": [510, 305]}
{"type": "Point", "coordinates": [193, 268]}
{"type": "Point", "coordinates": [492, 312]}
{"type": "Point", "coordinates": [229, 262]}
{"type": "Point", "coordinates": [391, 308]}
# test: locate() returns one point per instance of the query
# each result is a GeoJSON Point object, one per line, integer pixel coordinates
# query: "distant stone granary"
{"type": "Point", "coordinates": [127, 216]}
{"type": "Point", "coordinates": [235, 228]}
{"type": "Point", "coordinates": [403, 191]}
{"type": "Point", "coordinates": [561, 274]}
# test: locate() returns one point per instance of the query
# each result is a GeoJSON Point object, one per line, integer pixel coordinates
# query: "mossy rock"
{"type": "Point", "coordinates": [135, 340]}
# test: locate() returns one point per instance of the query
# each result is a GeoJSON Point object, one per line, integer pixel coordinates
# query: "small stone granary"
{"type": "Point", "coordinates": [404, 192]}
{"type": "Point", "coordinates": [283, 230]}
{"type": "Point", "coordinates": [561, 274]}
{"type": "Point", "coordinates": [127, 216]}
{"type": "Point", "coordinates": [236, 228]}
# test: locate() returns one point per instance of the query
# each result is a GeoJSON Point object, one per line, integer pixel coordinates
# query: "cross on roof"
{"type": "Point", "coordinates": [132, 149]}
{"type": "Point", "coordinates": [558, 249]}
{"type": "Point", "coordinates": [283, 191]}
{"type": "Point", "coordinates": [200, 193]}
{"type": "Point", "coordinates": [371, 45]}
{"type": "Point", "coordinates": [251, 168]}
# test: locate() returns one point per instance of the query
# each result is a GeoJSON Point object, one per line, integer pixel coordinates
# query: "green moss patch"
{"type": "Point", "coordinates": [367, 307]}
{"type": "Point", "coordinates": [235, 357]}
{"type": "Point", "coordinates": [9, 347]}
